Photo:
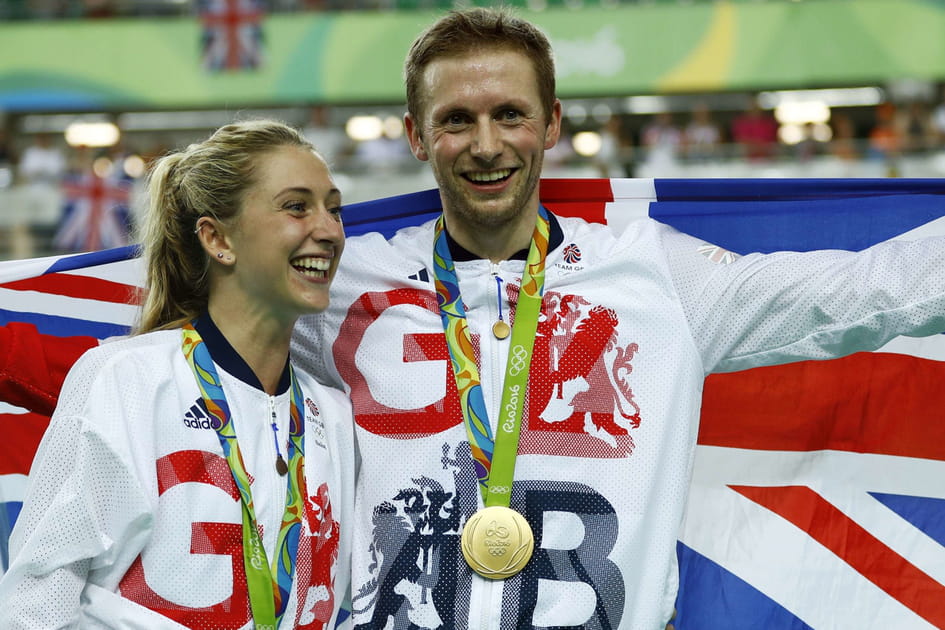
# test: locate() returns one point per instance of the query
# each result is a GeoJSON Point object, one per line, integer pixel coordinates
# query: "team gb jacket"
{"type": "Point", "coordinates": [132, 518]}
{"type": "Point", "coordinates": [631, 324]}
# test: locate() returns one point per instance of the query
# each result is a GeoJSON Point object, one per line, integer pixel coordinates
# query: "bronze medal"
{"type": "Point", "coordinates": [281, 467]}
{"type": "Point", "coordinates": [497, 542]}
{"type": "Point", "coordinates": [500, 329]}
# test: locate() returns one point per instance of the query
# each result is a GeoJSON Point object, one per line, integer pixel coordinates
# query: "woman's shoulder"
{"type": "Point", "coordinates": [132, 348]}
{"type": "Point", "coordinates": [120, 369]}
{"type": "Point", "coordinates": [125, 358]}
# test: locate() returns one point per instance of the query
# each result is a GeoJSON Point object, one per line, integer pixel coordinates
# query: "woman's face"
{"type": "Point", "coordinates": [288, 237]}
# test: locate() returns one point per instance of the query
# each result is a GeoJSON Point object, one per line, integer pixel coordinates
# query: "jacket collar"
{"type": "Point", "coordinates": [229, 359]}
{"type": "Point", "coordinates": [555, 237]}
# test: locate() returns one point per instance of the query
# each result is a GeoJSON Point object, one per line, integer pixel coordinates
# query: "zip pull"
{"type": "Point", "coordinates": [281, 467]}
{"type": "Point", "coordinates": [500, 329]}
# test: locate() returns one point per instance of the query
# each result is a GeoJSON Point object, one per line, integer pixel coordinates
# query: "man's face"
{"type": "Point", "coordinates": [484, 131]}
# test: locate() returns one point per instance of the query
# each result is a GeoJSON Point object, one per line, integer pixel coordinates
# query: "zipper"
{"type": "Point", "coordinates": [488, 592]}
{"type": "Point", "coordinates": [498, 280]}
{"type": "Point", "coordinates": [498, 373]}
{"type": "Point", "coordinates": [277, 456]}
{"type": "Point", "coordinates": [488, 587]}
{"type": "Point", "coordinates": [281, 463]}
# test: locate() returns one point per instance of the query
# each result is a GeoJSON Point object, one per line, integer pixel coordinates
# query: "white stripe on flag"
{"type": "Point", "coordinates": [12, 409]}
{"type": "Point", "coordinates": [790, 567]}
{"type": "Point", "coordinates": [13, 270]}
{"type": "Point", "coordinates": [783, 561]}
{"type": "Point", "coordinates": [931, 348]}
{"type": "Point", "coordinates": [63, 306]}
{"type": "Point", "coordinates": [13, 488]}
{"type": "Point", "coordinates": [631, 202]}
{"type": "Point", "coordinates": [130, 272]}
{"type": "Point", "coordinates": [932, 228]}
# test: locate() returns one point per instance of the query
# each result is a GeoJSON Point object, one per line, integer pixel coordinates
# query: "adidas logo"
{"type": "Point", "coordinates": [197, 416]}
{"type": "Point", "coordinates": [421, 275]}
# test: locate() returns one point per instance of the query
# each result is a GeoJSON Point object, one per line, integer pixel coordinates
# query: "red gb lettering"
{"type": "Point", "coordinates": [372, 415]}
{"type": "Point", "coordinates": [580, 383]}
{"type": "Point", "coordinates": [224, 539]}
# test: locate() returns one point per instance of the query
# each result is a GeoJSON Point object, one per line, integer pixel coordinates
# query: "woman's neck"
{"type": "Point", "coordinates": [262, 342]}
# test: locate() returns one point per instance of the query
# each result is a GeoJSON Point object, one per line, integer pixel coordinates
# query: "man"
{"type": "Point", "coordinates": [627, 328]}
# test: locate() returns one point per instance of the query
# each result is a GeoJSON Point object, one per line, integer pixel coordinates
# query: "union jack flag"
{"type": "Point", "coordinates": [817, 497]}
{"type": "Point", "coordinates": [232, 34]}
{"type": "Point", "coordinates": [72, 302]}
{"type": "Point", "coordinates": [96, 213]}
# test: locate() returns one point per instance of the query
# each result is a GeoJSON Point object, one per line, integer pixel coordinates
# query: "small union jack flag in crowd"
{"type": "Point", "coordinates": [96, 214]}
{"type": "Point", "coordinates": [232, 34]}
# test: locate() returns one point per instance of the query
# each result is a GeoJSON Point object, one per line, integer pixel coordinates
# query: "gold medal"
{"type": "Point", "coordinates": [497, 542]}
{"type": "Point", "coordinates": [501, 330]}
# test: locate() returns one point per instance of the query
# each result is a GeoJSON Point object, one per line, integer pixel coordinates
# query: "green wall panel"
{"type": "Point", "coordinates": [357, 57]}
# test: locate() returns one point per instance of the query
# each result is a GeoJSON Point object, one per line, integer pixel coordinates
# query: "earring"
{"type": "Point", "coordinates": [219, 254]}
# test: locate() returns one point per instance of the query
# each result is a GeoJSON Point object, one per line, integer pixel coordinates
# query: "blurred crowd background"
{"type": "Point", "coordinates": [71, 180]}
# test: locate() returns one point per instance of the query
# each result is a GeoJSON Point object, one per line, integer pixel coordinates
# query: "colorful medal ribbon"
{"type": "Point", "coordinates": [268, 586]}
{"type": "Point", "coordinates": [494, 458]}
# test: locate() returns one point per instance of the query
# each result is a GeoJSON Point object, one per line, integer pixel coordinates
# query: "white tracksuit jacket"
{"type": "Point", "coordinates": [132, 520]}
{"type": "Point", "coordinates": [631, 325]}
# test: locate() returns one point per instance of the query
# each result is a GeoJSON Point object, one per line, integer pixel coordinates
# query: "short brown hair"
{"type": "Point", "coordinates": [461, 32]}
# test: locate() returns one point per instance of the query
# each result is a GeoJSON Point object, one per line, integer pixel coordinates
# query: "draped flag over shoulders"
{"type": "Point", "coordinates": [817, 498]}
{"type": "Point", "coordinates": [71, 302]}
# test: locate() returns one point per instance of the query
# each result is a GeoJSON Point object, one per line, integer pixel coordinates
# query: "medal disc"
{"type": "Point", "coordinates": [497, 542]}
{"type": "Point", "coordinates": [281, 467]}
{"type": "Point", "coordinates": [501, 330]}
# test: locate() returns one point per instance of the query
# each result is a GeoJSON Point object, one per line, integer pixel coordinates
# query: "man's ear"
{"type": "Point", "coordinates": [212, 236]}
{"type": "Point", "coordinates": [553, 130]}
{"type": "Point", "coordinates": [414, 138]}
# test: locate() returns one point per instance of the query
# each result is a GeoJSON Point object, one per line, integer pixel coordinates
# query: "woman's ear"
{"type": "Point", "coordinates": [213, 239]}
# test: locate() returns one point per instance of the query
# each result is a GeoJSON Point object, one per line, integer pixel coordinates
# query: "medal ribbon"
{"type": "Point", "coordinates": [494, 458]}
{"type": "Point", "coordinates": [268, 586]}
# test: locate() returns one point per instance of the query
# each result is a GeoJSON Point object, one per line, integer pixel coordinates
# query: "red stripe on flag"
{"type": "Point", "coordinates": [585, 198]}
{"type": "Point", "coordinates": [889, 404]}
{"type": "Point", "coordinates": [84, 287]}
{"type": "Point", "coordinates": [21, 435]}
{"type": "Point", "coordinates": [882, 566]}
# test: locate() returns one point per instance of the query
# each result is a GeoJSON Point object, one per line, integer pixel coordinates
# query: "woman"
{"type": "Point", "coordinates": [190, 477]}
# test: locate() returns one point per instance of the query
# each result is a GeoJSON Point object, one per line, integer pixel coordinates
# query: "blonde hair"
{"type": "Point", "coordinates": [209, 178]}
